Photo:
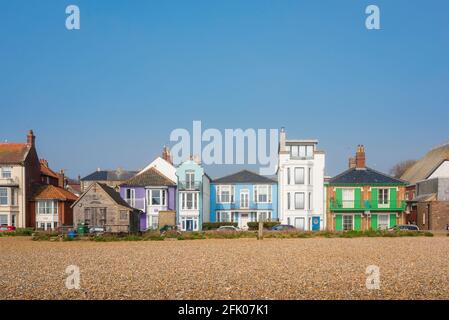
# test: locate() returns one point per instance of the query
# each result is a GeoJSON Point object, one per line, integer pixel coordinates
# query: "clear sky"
{"type": "Point", "coordinates": [109, 95]}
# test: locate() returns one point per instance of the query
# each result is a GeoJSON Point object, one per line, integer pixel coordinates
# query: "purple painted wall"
{"type": "Point", "coordinates": [140, 194]}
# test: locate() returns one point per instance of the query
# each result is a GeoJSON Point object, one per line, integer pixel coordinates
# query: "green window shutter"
{"type": "Point", "coordinates": [392, 220]}
{"type": "Point", "coordinates": [358, 198]}
{"type": "Point", "coordinates": [374, 197]}
{"type": "Point", "coordinates": [374, 222]}
{"type": "Point", "coordinates": [393, 198]}
{"type": "Point", "coordinates": [357, 222]}
{"type": "Point", "coordinates": [338, 222]}
{"type": "Point", "coordinates": [338, 197]}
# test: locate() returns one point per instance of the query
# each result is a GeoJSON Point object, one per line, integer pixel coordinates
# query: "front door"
{"type": "Point", "coordinates": [299, 224]}
{"type": "Point", "coordinates": [243, 221]}
{"type": "Point", "coordinates": [189, 225]}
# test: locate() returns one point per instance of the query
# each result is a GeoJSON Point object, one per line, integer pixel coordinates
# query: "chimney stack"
{"type": "Point", "coordinates": [360, 161]}
{"type": "Point", "coordinates": [166, 155]}
{"type": "Point", "coordinates": [31, 138]}
{"type": "Point", "coordinates": [351, 162]}
{"type": "Point", "coordinates": [282, 139]}
{"type": "Point", "coordinates": [61, 179]}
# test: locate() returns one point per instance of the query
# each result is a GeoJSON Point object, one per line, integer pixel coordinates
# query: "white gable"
{"type": "Point", "coordinates": [442, 171]}
{"type": "Point", "coordinates": [164, 167]}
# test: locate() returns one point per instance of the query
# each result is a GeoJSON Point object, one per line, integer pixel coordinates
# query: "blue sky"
{"type": "Point", "coordinates": [109, 95]}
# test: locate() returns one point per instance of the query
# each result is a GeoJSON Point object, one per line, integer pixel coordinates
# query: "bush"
{"type": "Point", "coordinates": [266, 225]}
{"type": "Point", "coordinates": [192, 236]}
{"type": "Point", "coordinates": [45, 235]}
{"type": "Point", "coordinates": [216, 225]}
{"type": "Point", "coordinates": [230, 234]}
{"type": "Point", "coordinates": [19, 232]}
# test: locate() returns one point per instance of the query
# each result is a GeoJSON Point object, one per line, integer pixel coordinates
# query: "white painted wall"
{"type": "Point", "coordinates": [18, 177]}
{"type": "Point", "coordinates": [164, 167]}
{"type": "Point", "coordinates": [441, 172]}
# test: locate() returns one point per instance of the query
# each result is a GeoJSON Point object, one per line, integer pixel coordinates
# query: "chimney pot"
{"type": "Point", "coordinates": [360, 158]}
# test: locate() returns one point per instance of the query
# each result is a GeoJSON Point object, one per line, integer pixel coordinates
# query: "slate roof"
{"type": "Point", "coordinates": [424, 167]}
{"type": "Point", "coordinates": [150, 177]}
{"type": "Point", "coordinates": [110, 175]}
{"type": "Point", "coordinates": [244, 176]}
{"type": "Point", "coordinates": [48, 192]}
{"type": "Point", "coordinates": [13, 153]}
{"type": "Point", "coordinates": [364, 176]}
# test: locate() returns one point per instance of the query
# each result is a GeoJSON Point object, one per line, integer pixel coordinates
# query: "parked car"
{"type": "Point", "coordinates": [6, 228]}
{"type": "Point", "coordinates": [96, 230]}
{"type": "Point", "coordinates": [283, 227]}
{"type": "Point", "coordinates": [228, 228]}
{"type": "Point", "coordinates": [405, 227]}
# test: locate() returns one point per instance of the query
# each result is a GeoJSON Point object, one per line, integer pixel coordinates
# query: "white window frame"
{"type": "Point", "coordinates": [343, 222]}
{"type": "Point", "coordinates": [162, 197]}
{"type": "Point", "coordinates": [299, 181]}
{"type": "Point", "coordinates": [383, 204]}
{"type": "Point", "coordinates": [195, 200]}
{"type": "Point", "coordinates": [257, 193]}
{"type": "Point", "coordinates": [303, 201]}
{"type": "Point", "coordinates": [219, 193]}
{"type": "Point", "coordinates": [246, 193]}
{"type": "Point", "coordinates": [131, 197]}
{"type": "Point", "coordinates": [224, 216]}
{"type": "Point", "coordinates": [6, 170]}
{"type": "Point", "coordinates": [47, 207]}
{"type": "Point", "coordinates": [310, 176]}
{"type": "Point", "coordinates": [190, 179]}
{"type": "Point", "coordinates": [347, 198]}
{"type": "Point", "coordinates": [387, 224]}
{"type": "Point", "coordinates": [5, 196]}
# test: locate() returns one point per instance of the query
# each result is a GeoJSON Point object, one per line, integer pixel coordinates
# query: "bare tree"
{"type": "Point", "coordinates": [399, 169]}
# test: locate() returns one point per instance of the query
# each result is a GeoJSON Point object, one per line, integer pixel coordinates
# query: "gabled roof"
{"type": "Point", "coordinates": [46, 171]}
{"type": "Point", "coordinates": [424, 167]}
{"type": "Point", "coordinates": [51, 192]}
{"type": "Point", "coordinates": [114, 195]}
{"type": "Point", "coordinates": [365, 176]}
{"type": "Point", "coordinates": [109, 175]}
{"type": "Point", "coordinates": [150, 177]}
{"type": "Point", "coordinates": [13, 153]}
{"type": "Point", "coordinates": [244, 176]}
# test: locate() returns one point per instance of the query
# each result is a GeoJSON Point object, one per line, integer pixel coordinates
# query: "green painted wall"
{"type": "Point", "coordinates": [357, 222]}
{"type": "Point", "coordinates": [392, 220]}
{"type": "Point", "coordinates": [374, 222]}
{"type": "Point", "coordinates": [393, 197]}
{"type": "Point", "coordinates": [338, 222]}
{"type": "Point", "coordinates": [338, 196]}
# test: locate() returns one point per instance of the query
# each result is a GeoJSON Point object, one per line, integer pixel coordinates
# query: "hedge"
{"type": "Point", "coordinates": [266, 225]}
{"type": "Point", "coordinates": [216, 225]}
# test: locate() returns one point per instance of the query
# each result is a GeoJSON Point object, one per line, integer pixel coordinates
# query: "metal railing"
{"type": "Point", "coordinates": [194, 186]}
{"type": "Point", "coordinates": [366, 205]}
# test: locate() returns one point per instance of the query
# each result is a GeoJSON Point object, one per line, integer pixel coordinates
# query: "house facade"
{"type": "Point", "coordinates": [428, 190]}
{"type": "Point", "coordinates": [151, 192]}
{"type": "Point", "coordinates": [101, 206]}
{"type": "Point", "coordinates": [192, 196]}
{"type": "Point", "coordinates": [301, 183]}
{"type": "Point", "coordinates": [361, 198]}
{"type": "Point", "coordinates": [19, 171]}
{"type": "Point", "coordinates": [243, 197]}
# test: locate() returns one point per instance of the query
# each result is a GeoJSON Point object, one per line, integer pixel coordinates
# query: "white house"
{"type": "Point", "coordinates": [301, 183]}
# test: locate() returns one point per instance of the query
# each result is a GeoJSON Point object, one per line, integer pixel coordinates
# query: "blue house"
{"type": "Point", "coordinates": [243, 197]}
{"type": "Point", "coordinates": [193, 199]}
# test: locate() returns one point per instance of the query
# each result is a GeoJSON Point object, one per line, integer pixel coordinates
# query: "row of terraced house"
{"type": "Point", "coordinates": [359, 198]}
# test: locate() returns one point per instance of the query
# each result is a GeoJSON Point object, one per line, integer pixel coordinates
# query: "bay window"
{"type": "Point", "coordinates": [47, 207]}
{"type": "Point", "coordinates": [189, 200]}
{"type": "Point", "coordinates": [3, 196]}
{"type": "Point", "coordinates": [157, 197]}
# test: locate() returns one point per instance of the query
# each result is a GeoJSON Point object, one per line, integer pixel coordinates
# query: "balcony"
{"type": "Point", "coordinates": [366, 205]}
{"type": "Point", "coordinates": [238, 206]}
{"type": "Point", "coordinates": [189, 186]}
{"type": "Point", "coordinates": [9, 182]}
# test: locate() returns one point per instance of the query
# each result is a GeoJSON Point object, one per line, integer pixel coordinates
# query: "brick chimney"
{"type": "Point", "coordinates": [360, 157]}
{"type": "Point", "coordinates": [31, 138]}
{"type": "Point", "coordinates": [61, 179]}
{"type": "Point", "coordinates": [166, 155]}
{"type": "Point", "coordinates": [44, 162]}
{"type": "Point", "coordinates": [351, 162]}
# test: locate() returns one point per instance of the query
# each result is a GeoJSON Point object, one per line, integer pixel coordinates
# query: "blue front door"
{"type": "Point", "coordinates": [315, 223]}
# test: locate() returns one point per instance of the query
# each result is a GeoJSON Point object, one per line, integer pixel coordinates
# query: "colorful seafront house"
{"type": "Point", "coordinates": [193, 196]}
{"type": "Point", "coordinates": [243, 197]}
{"type": "Point", "coordinates": [301, 184]}
{"type": "Point", "coordinates": [361, 198]}
{"type": "Point", "coordinates": [152, 190]}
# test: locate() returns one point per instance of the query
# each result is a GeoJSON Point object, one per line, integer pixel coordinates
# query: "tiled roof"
{"type": "Point", "coordinates": [47, 192]}
{"type": "Point", "coordinates": [150, 177]}
{"type": "Point", "coordinates": [424, 167]}
{"type": "Point", "coordinates": [47, 171]}
{"type": "Point", "coordinates": [109, 175]}
{"type": "Point", "coordinates": [13, 153]}
{"type": "Point", "coordinates": [364, 176]}
{"type": "Point", "coordinates": [244, 176]}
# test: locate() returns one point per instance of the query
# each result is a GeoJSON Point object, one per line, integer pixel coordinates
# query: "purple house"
{"type": "Point", "coordinates": [151, 192]}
